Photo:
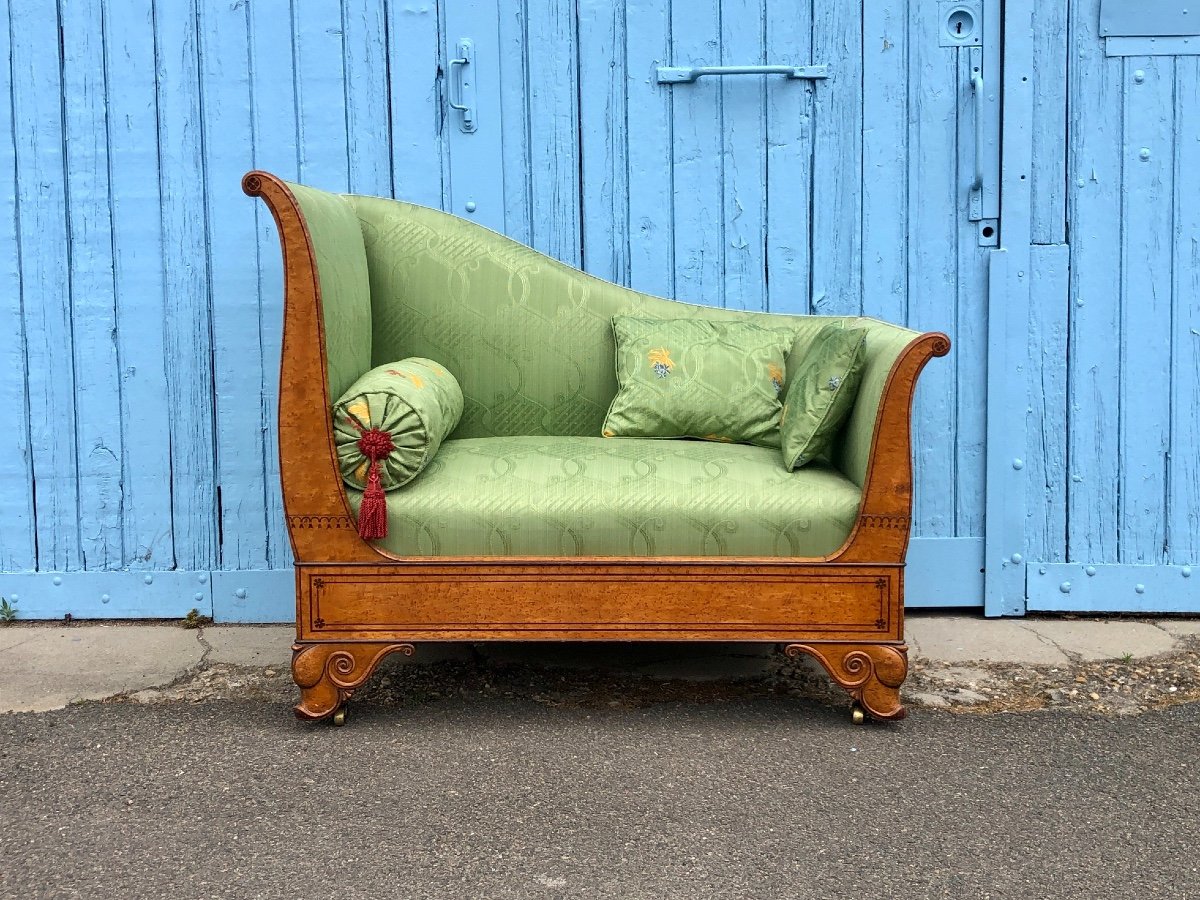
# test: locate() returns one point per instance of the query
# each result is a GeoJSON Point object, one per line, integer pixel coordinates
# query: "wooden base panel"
{"type": "Point", "coordinates": [870, 673]}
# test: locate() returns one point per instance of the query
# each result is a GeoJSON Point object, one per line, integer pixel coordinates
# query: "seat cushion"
{"type": "Point", "coordinates": [581, 496]}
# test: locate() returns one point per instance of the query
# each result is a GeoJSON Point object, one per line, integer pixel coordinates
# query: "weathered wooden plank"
{"type": "Point", "coordinates": [1008, 328]}
{"type": "Point", "coordinates": [233, 286]}
{"type": "Point", "coordinates": [837, 160]}
{"type": "Point", "coordinates": [936, 201]}
{"type": "Point", "coordinates": [1049, 176]}
{"type": "Point", "coordinates": [553, 124]}
{"type": "Point", "coordinates": [321, 95]}
{"type": "Point", "coordinates": [743, 155]}
{"type": "Point", "coordinates": [98, 438]}
{"type": "Point", "coordinates": [649, 123]}
{"type": "Point", "coordinates": [789, 136]}
{"type": "Point", "coordinates": [272, 64]}
{"type": "Point", "coordinates": [1146, 282]}
{"type": "Point", "coordinates": [1094, 210]}
{"type": "Point", "coordinates": [1183, 472]}
{"type": "Point", "coordinates": [971, 330]}
{"type": "Point", "coordinates": [415, 64]}
{"type": "Point", "coordinates": [45, 285]}
{"type": "Point", "coordinates": [478, 179]}
{"type": "Point", "coordinates": [514, 109]}
{"type": "Point", "coordinates": [187, 326]}
{"type": "Point", "coordinates": [367, 114]}
{"type": "Point", "coordinates": [108, 594]}
{"type": "Point", "coordinates": [138, 283]}
{"type": "Point", "coordinates": [698, 126]}
{"type": "Point", "coordinates": [17, 550]}
{"type": "Point", "coordinates": [603, 140]}
{"type": "Point", "coordinates": [885, 142]}
{"type": "Point", "coordinates": [1046, 394]}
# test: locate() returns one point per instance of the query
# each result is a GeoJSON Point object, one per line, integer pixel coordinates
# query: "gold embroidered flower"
{"type": "Point", "coordinates": [660, 362]}
{"type": "Point", "coordinates": [776, 374]}
{"type": "Point", "coordinates": [417, 380]}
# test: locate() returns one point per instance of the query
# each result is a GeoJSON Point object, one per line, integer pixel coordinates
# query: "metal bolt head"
{"type": "Point", "coordinates": [1186, 571]}
{"type": "Point", "coordinates": [240, 593]}
{"type": "Point", "coordinates": [470, 206]}
{"type": "Point", "coordinates": [1144, 153]}
{"type": "Point", "coordinates": [104, 598]}
{"type": "Point", "coordinates": [1140, 588]}
{"type": "Point", "coordinates": [1016, 558]}
{"type": "Point", "coordinates": [1090, 570]}
{"type": "Point", "coordinates": [1018, 464]}
{"type": "Point", "coordinates": [1065, 587]}
{"type": "Point", "coordinates": [149, 579]}
{"type": "Point", "coordinates": [1139, 76]}
{"type": "Point", "coordinates": [57, 580]}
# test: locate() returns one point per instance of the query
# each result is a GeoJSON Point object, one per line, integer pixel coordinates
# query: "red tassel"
{"type": "Point", "coordinates": [372, 514]}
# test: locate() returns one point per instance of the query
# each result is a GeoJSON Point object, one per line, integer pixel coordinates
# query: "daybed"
{"type": "Point", "coordinates": [528, 524]}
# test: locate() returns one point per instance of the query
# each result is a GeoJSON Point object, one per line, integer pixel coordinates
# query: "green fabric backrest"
{"type": "Point", "coordinates": [528, 338]}
{"type": "Point", "coordinates": [345, 289]}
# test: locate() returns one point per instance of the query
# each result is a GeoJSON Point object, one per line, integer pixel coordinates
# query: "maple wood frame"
{"type": "Point", "coordinates": [355, 603]}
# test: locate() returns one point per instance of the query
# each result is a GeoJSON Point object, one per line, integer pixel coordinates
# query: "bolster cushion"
{"type": "Point", "coordinates": [399, 414]}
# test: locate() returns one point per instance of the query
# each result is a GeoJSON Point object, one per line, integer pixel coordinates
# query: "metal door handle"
{"type": "Point", "coordinates": [688, 74]}
{"type": "Point", "coordinates": [466, 90]}
{"type": "Point", "coordinates": [977, 89]}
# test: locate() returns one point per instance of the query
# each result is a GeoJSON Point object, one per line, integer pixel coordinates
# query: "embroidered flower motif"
{"type": "Point", "coordinates": [776, 374]}
{"type": "Point", "coordinates": [660, 362]}
{"type": "Point", "coordinates": [417, 380]}
{"type": "Point", "coordinates": [834, 383]}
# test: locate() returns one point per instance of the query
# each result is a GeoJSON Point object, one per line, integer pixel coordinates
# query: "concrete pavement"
{"type": "Point", "coordinates": [958, 661]}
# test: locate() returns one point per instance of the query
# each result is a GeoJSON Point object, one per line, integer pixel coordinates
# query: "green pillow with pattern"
{"type": "Point", "coordinates": [717, 381]}
{"type": "Point", "coordinates": [820, 393]}
{"type": "Point", "coordinates": [415, 403]}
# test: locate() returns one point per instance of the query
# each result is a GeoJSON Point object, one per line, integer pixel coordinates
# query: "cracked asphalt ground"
{"type": "Point", "coordinates": [472, 778]}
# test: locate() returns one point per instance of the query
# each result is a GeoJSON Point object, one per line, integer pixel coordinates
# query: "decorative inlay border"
{"type": "Point", "coordinates": [320, 522]}
{"type": "Point", "coordinates": [873, 521]}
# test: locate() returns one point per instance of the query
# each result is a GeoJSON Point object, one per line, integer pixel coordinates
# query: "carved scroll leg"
{"type": "Point", "coordinates": [328, 673]}
{"type": "Point", "coordinates": [870, 673]}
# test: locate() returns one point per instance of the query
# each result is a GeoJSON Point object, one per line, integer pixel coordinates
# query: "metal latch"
{"type": "Point", "coordinates": [466, 88]}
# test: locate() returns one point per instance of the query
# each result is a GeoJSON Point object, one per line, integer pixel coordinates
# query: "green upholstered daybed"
{"type": "Point", "coordinates": [526, 522]}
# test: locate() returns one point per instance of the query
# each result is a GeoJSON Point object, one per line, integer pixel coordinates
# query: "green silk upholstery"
{"type": "Point", "coordinates": [345, 289]}
{"type": "Point", "coordinates": [716, 381]}
{"type": "Point", "coordinates": [415, 402]}
{"type": "Point", "coordinates": [821, 389]}
{"type": "Point", "coordinates": [577, 496]}
{"type": "Point", "coordinates": [528, 338]}
{"type": "Point", "coordinates": [530, 342]}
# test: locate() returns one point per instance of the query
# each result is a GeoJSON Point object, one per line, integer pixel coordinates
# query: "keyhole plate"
{"type": "Point", "coordinates": [961, 23]}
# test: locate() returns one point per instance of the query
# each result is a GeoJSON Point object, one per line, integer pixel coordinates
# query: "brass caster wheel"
{"type": "Point", "coordinates": [857, 716]}
{"type": "Point", "coordinates": [339, 718]}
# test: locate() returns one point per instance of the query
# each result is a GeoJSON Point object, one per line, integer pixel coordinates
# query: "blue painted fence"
{"type": "Point", "coordinates": [140, 291]}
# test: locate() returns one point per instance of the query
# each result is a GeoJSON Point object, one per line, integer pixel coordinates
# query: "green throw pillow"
{"type": "Point", "coordinates": [718, 381]}
{"type": "Point", "coordinates": [820, 393]}
{"type": "Point", "coordinates": [414, 402]}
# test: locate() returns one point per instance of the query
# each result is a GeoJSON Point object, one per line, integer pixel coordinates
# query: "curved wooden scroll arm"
{"type": "Point", "coordinates": [885, 516]}
{"type": "Point", "coordinates": [314, 500]}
